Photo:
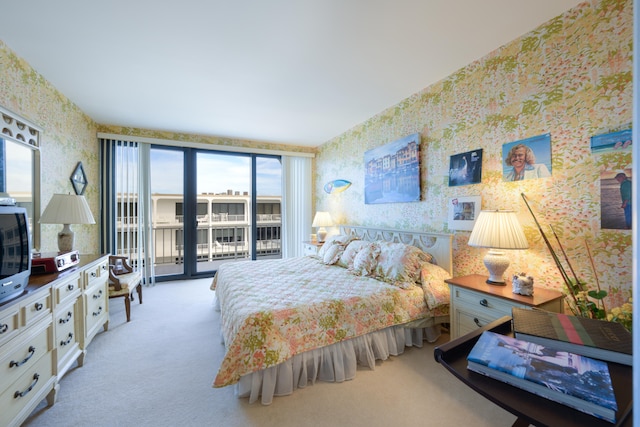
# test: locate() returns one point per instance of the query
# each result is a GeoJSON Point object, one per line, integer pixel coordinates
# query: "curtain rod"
{"type": "Point", "coordinates": [231, 148]}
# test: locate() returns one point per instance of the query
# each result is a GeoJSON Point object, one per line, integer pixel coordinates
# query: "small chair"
{"type": "Point", "coordinates": [123, 280]}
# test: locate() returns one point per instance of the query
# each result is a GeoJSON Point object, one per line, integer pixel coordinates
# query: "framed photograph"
{"type": "Point", "coordinates": [611, 142]}
{"type": "Point", "coordinates": [465, 168]}
{"type": "Point", "coordinates": [463, 212]}
{"type": "Point", "coordinates": [527, 159]}
{"type": "Point", "coordinates": [392, 172]}
{"type": "Point", "coordinates": [79, 179]}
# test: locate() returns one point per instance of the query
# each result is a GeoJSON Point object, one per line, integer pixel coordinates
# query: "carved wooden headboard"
{"type": "Point", "coordinates": [439, 245]}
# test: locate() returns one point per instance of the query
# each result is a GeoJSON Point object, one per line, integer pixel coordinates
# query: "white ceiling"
{"type": "Point", "coordinates": [288, 71]}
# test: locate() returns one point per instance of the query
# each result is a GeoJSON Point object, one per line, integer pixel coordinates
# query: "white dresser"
{"type": "Point", "coordinates": [45, 331]}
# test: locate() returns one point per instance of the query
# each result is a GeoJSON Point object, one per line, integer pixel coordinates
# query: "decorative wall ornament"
{"type": "Point", "coordinates": [336, 186]}
{"type": "Point", "coordinates": [392, 172]}
{"type": "Point", "coordinates": [19, 129]}
{"type": "Point", "coordinates": [79, 179]}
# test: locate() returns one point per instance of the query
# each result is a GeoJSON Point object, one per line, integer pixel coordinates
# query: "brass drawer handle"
{"type": "Point", "coordinates": [484, 302]}
{"type": "Point", "coordinates": [477, 322]}
{"type": "Point", "coordinates": [98, 295]}
{"type": "Point", "coordinates": [70, 337]}
{"type": "Point", "coordinates": [98, 313]}
{"type": "Point", "coordinates": [32, 351]}
{"type": "Point", "coordinates": [38, 306]}
{"type": "Point", "coordinates": [18, 394]}
{"type": "Point", "coordinates": [93, 274]}
{"type": "Point", "coordinates": [70, 287]}
{"type": "Point", "coordinates": [3, 328]}
{"type": "Point", "coordinates": [69, 316]}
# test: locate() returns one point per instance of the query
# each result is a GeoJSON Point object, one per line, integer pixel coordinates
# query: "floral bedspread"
{"type": "Point", "coordinates": [272, 310]}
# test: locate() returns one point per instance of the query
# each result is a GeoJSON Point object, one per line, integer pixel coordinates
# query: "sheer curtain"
{"type": "Point", "coordinates": [296, 202]}
{"type": "Point", "coordinates": [126, 204]}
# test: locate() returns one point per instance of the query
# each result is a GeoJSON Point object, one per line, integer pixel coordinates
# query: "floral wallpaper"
{"type": "Point", "coordinates": [570, 77]}
{"type": "Point", "coordinates": [68, 137]}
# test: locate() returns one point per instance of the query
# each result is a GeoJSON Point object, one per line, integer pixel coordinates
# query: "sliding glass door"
{"type": "Point", "coordinates": [213, 207]}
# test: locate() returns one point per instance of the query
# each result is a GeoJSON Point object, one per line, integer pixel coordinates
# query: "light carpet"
{"type": "Point", "coordinates": [157, 370]}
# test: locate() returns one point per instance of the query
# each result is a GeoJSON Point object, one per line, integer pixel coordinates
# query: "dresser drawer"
{"type": "Point", "coordinates": [95, 307]}
{"type": "Point", "coordinates": [99, 272]}
{"type": "Point", "coordinates": [9, 323]}
{"type": "Point", "coordinates": [468, 321]}
{"type": "Point", "coordinates": [21, 354]}
{"type": "Point", "coordinates": [481, 304]}
{"type": "Point", "coordinates": [35, 307]}
{"type": "Point", "coordinates": [67, 337]}
{"type": "Point", "coordinates": [32, 384]}
{"type": "Point", "coordinates": [67, 290]}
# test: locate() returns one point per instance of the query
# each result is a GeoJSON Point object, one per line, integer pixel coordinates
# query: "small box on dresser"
{"type": "Point", "coordinates": [474, 303]}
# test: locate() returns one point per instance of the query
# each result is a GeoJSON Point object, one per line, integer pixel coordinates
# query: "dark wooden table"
{"type": "Point", "coordinates": [528, 407]}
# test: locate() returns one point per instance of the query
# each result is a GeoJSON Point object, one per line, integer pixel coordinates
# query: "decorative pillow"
{"type": "Point", "coordinates": [364, 263]}
{"type": "Point", "coordinates": [347, 257]}
{"type": "Point", "coordinates": [436, 291]}
{"type": "Point", "coordinates": [332, 254]}
{"type": "Point", "coordinates": [399, 264]}
{"type": "Point", "coordinates": [336, 239]}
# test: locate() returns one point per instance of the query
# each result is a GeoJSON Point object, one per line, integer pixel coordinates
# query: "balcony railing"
{"type": "Point", "coordinates": [228, 243]}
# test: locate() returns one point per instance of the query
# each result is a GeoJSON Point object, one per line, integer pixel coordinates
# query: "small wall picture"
{"type": "Point", "coordinates": [527, 159]}
{"type": "Point", "coordinates": [611, 142]}
{"type": "Point", "coordinates": [465, 168]}
{"type": "Point", "coordinates": [463, 212]}
{"type": "Point", "coordinates": [613, 156]}
{"type": "Point", "coordinates": [392, 172]}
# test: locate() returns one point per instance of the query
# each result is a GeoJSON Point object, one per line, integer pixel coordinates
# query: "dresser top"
{"type": "Point", "coordinates": [478, 283]}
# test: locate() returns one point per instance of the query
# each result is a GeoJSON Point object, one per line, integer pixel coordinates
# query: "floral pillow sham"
{"type": "Point", "coordinates": [400, 264]}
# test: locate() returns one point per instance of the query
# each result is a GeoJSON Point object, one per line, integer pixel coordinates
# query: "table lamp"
{"type": "Point", "coordinates": [497, 230]}
{"type": "Point", "coordinates": [322, 220]}
{"type": "Point", "coordinates": [67, 209]}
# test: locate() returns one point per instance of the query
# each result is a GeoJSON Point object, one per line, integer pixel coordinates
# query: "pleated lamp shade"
{"type": "Point", "coordinates": [322, 220]}
{"type": "Point", "coordinates": [495, 230]}
{"type": "Point", "coordinates": [67, 209]}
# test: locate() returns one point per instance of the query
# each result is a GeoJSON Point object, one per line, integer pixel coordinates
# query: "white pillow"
{"type": "Point", "coordinates": [332, 254]}
{"type": "Point", "coordinates": [336, 239]}
{"type": "Point", "coordinates": [347, 257]}
{"type": "Point", "coordinates": [364, 263]}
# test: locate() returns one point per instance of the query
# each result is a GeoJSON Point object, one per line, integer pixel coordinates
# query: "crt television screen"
{"type": "Point", "coordinates": [14, 244]}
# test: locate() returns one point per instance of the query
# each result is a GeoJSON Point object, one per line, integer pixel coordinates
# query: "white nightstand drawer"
{"type": "Point", "coordinates": [468, 321]}
{"type": "Point", "coordinates": [482, 304]}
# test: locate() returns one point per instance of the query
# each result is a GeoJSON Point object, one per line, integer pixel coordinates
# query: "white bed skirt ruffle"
{"type": "Point", "coordinates": [335, 363]}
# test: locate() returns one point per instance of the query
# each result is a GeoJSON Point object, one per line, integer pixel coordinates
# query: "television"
{"type": "Point", "coordinates": [15, 252]}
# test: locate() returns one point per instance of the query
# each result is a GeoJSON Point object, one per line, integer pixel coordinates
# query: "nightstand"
{"type": "Point", "coordinates": [474, 303]}
{"type": "Point", "coordinates": [311, 248]}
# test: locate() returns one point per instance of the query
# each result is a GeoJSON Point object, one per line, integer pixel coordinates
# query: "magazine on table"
{"type": "Point", "coordinates": [577, 381]}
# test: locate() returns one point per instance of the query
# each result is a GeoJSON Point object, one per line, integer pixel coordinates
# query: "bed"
{"type": "Point", "coordinates": [365, 296]}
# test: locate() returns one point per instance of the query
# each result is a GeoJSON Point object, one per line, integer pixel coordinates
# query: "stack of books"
{"type": "Point", "coordinates": [577, 381]}
{"type": "Point", "coordinates": [595, 338]}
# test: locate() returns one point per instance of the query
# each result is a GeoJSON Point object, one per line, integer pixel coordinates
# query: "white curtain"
{"type": "Point", "coordinates": [296, 202]}
{"type": "Point", "coordinates": [126, 203]}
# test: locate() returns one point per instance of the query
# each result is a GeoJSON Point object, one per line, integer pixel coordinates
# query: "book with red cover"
{"type": "Point", "coordinates": [595, 338]}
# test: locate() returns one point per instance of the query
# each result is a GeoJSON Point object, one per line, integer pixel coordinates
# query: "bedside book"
{"type": "Point", "coordinates": [576, 381]}
{"type": "Point", "coordinates": [595, 338]}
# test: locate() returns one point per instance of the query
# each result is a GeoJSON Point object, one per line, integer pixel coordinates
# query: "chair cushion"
{"type": "Point", "coordinates": [128, 282]}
